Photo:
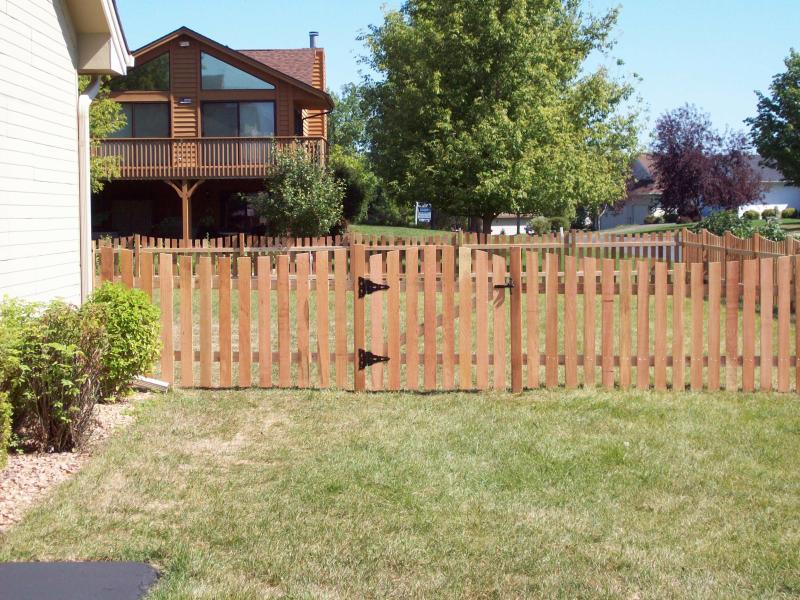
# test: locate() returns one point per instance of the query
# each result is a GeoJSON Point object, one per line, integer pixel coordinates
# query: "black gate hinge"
{"type": "Point", "coordinates": [509, 284]}
{"type": "Point", "coordinates": [366, 287]}
{"type": "Point", "coordinates": [367, 359]}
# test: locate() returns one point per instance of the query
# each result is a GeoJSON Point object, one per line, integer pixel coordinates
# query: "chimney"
{"type": "Point", "coordinates": [312, 39]}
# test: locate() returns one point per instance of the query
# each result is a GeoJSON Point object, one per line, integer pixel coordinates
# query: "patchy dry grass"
{"type": "Point", "coordinates": [334, 495]}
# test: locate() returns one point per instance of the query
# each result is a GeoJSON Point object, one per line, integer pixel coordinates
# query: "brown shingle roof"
{"type": "Point", "coordinates": [297, 63]}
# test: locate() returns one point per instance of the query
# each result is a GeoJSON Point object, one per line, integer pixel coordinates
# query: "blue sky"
{"type": "Point", "coordinates": [712, 53]}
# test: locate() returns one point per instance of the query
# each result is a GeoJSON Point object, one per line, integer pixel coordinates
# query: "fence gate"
{"type": "Point", "coordinates": [421, 320]}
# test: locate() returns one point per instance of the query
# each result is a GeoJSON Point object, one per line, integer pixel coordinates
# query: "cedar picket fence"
{"type": "Point", "coordinates": [657, 246]}
{"type": "Point", "coordinates": [468, 318]}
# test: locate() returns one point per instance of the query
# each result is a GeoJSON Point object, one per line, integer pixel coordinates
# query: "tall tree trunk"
{"type": "Point", "coordinates": [487, 220]}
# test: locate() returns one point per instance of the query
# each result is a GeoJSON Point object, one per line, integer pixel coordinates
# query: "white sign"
{"type": "Point", "coordinates": [422, 213]}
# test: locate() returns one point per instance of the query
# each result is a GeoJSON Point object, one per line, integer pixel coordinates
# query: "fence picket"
{"type": "Point", "coordinates": [482, 319]}
{"type": "Point", "coordinates": [448, 317]}
{"type": "Point", "coordinates": [464, 318]}
{"type": "Point", "coordinates": [393, 318]}
{"type": "Point", "coordinates": [225, 346]}
{"type": "Point", "coordinates": [412, 318]}
{"type": "Point", "coordinates": [607, 323]}
{"type": "Point", "coordinates": [532, 320]}
{"type": "Point", "coordinates": [322, 285]}
{"type": "Point", "coordinates": [126, 267]}
{"type": "Point", "coordinates": [784, 320]}
{"type": "Point", "coordinates": [551, 321]}
{"type": "Point", "coordinates": [570, 322]}
{"type": "Point", "coordinates": [625, 324]}
{"type": "Point", "coordinates": [376, 320]}
{"type": "Point", "coordinates": [767, 295]}
{"type": "Point", "coordinates": [697, 290]}
{"type": "Point", "coordinates": [165, 300]}
{"type": "Point", "coordinates": [499, 321]}
{"type": "Point", "coordinates": [643, 325]}
{"type": "Point", "coordinates": [429, 316]}
{"type": "Point", "coordinates": [340, 316]}
{"type": "Point", "coordinates": [732, 325]}
{"type": "Point", "coordinates": [264, 270]}
{"type": "Point", "coordinates": [589, 326]}
{"type": "Point", "coordinates": [186, 323]}
{"type": "Point", "coordinates": [714, 295]}
{"type": "Point", "coordinates": [244, 270]}
{"type": "Point", "coordinates": [284, 333]}
{"type": "Point", "coordinates": [678, 345]}
{"type": "Point", "coordinates": [749, 274]}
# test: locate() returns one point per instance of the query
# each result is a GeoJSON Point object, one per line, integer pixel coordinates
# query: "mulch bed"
{"type": "Point", "coordinates": [27, 478]}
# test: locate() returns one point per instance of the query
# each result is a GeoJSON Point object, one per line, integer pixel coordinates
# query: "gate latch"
{"type": "Point", "coordinates": [366, 287]}
{"type": "Point", "coordinates": [367, 359]}
{"type": "Point", "coordinates": [509, 284]}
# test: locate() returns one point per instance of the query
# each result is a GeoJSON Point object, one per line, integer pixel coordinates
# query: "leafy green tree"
{"type": "Point", "coordinates": [301, 199]}
{"type": "Point", "coordinates": [489, 107]}
{"type": "Point", "coordinates": [776, 128]}
{"type": "Point", "coordinates": [105, 117]}
{"type": "Point", "coordinates": [360, 183]}
{"type": "Point", "coordinates": [347, 123]}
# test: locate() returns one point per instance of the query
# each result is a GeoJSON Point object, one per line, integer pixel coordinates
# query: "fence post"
{"type": "Point", "coordinates": [357, 266]}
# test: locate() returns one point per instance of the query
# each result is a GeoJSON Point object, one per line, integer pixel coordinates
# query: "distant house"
{"type": "Point", "coordinates": [644, 194]}
{"type": "Point", "coordinates": [509, 224]}
{"type": "Point", "coordinates": [643, 197]}
{"type": "Point", "coordinates": [204, 125]}
{"type": "Point", "coordinates": [777, 193]}
{"type": "Point", "coordinates": [45, 233]}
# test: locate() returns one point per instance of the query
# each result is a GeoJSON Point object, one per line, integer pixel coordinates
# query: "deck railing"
{"type": "Point", "coordinates": [218, 157]}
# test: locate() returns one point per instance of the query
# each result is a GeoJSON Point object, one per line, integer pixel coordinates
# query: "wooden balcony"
{"type": "Point", "coordinates": [203, 158]}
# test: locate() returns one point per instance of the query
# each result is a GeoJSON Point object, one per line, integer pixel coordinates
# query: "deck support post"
{"type": "Point", "coordinates": [185, 190]}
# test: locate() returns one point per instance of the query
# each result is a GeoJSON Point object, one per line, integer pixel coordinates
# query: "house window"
{"type": "Point", "coordinates": [152, 75]}
{"type": "Point", "coordinates": [144, 120]}
{"type": "Point", "coordinates": [219, 75]}
{"type": "Point", "coordinates": [238, 119]}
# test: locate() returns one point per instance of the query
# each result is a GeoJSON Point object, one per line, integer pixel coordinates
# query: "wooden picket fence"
{"type": "Point", "coordinates": [467, 318]}
{"type": "Point", "coordinates": [656, 246]}
{"type": "Point", "coordinates": [705, 246]}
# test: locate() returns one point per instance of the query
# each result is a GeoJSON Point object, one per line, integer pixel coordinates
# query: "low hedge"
{"type": "Point", "coordinates": [769, 213]}
{"type": "Point", "coordinates": [58, 360]}
{"type": "Point", "coordinates": [539, 225]}
{"type": "Point", "coordinates": [132, 324]}
{"type": "Point", "coordinates": [789, 213]}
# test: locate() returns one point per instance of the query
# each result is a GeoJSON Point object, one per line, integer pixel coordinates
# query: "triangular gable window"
{"type": "Point", "coordinates": [219, 75]}
{"type": "Point", "coordinates": [152, 75]}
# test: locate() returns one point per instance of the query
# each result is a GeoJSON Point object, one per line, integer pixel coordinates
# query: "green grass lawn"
{"type": "Point", "coordinates": [790, 225]}
{"type": "Point", "coordinates": [396, 231]}
{"type": "Point", "coordinates": [333, 495]}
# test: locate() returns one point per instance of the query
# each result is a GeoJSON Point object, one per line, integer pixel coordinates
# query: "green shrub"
{"type": "Point", "coordinates": [132, 325]}
{"type": "Point", "coordinates": [752, 215]}
{"type": "Point", "coordinates": [539, 225]}
{"type": "Point", "coordinates": [57, 380]}
{"type": "Point", "coordinates": [772, 230]}
{"type": "Point", "coordinates": [653, 220]}
{"type": "Point", "coordinates": [302, 198]}
{"type": "Point", "coordinates": [558, 223]}
{"type": "Point", "coordinates": [720, 222]}
{"type": "Point", "coordinates": [5, 427]}
{"type": "Point", "coordinates": [671, 217]}
{"type": "Point", "coordinates": [769, 213]}
{"type": "Point", "coordinates": [789, 213]}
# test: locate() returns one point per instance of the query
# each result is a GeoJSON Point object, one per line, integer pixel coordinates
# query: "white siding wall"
{"type": "Point", "coordinates": [776, 195]}
{"type": "Point", "coordinates": [39, 228]}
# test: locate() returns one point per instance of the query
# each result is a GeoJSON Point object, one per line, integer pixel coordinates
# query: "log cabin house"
{"type": "Point", "coordinates": [203, 125]}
